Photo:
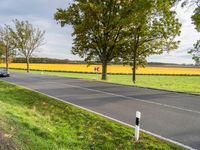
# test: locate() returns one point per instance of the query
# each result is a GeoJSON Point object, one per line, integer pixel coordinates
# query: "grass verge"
{"type": "Point", "coordinates": [37, 122]}
{"type": "Point", "coordinates": [184, 84]}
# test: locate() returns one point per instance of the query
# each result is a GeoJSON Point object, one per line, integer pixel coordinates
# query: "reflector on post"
{"type": "Point", "coordinates": [137, 125]}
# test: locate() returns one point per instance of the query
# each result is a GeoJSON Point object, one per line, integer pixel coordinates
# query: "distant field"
{"type": "Point", "coordinates": [185, 84]}
{"type": "Point", "coordinates": [112, 69]}
{"type": "Point", "coordinates": [36, 122]}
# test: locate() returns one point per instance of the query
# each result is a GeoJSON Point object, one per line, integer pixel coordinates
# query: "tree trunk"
{"type": "Point", "coordinates": [27, 64]}
{"type": "Point", "coordinates": [135, 49]}
{"type": "Point", "coordinates": [104, 70]}
{"type": "Point", "coordinates": [134, 67]}
{"type": "Point", "coordinates": [6, 59]}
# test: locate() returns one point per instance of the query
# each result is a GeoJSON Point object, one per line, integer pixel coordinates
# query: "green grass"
{"type": "Point", "coordinates": [37, 122]}
{"type": "Point", "coordinates": [185, 84]}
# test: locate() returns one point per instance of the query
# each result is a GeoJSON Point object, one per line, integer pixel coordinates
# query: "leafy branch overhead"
{"type": "Point", "coordinates": [2, 49]}
{"type": "Point", "coordinates": [196, 21]}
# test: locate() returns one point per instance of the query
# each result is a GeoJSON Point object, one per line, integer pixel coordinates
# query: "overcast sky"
{"type": "Point", "coordinates": [59, 41]}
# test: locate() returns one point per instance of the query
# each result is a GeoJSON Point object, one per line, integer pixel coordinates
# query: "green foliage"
{"type": "Point", "coordinates": [7, 44]}
{"type": "Point", "coordinates": [196, 21]}
{"type": "Point", "coordinates": [98, 28]}
{"type": "Point", "coordinates": [196, 18]}
{"type": "Point", "coordinates": [153, 32]}
{"type": "Point", "coordinates": [196, 14]}
{"type": "Point", "coordinates": [196, 52]}
{"type": "Point", "coordinates": [27, 38]}
{"type": "Point", "coordinates": [108, 30]}
{"type": "Point", "coordinates": [2, 49]}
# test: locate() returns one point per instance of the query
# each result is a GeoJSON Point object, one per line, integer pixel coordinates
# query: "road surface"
{"type": "Point", "coordinates": [171, 115]}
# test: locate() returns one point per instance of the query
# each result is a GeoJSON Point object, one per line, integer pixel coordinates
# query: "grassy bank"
{"type": "Point", "coordinates": [34, 121]}
{"type": "Point", "coordinates": [185, 84]}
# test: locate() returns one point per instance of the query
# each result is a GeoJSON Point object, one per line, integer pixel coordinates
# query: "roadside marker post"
{"type": "Point", "coordinates": [96, 70]}
{"type": "Point", "coordinates": [137, 125]}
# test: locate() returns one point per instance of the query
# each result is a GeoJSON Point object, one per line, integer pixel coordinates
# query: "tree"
{"type": "Point", "coordinates": [98, 28]}
{"type": "Point", "coordinates": [153, 32]}
{"type": "Point", "coordinates": [27, 39]}
{"type": "Point", "coordinates": [7, 44]}
{"type": "Point", "coordinates": [2, 49]}
{"type": "Point", "coordinates": [196, 21]}
{"type": "Point", "coordinates": [196, 16]}
{"type": "Point", "coordinates": [104, 29]}
{"type": "Point", "coordinates": [196, 52]}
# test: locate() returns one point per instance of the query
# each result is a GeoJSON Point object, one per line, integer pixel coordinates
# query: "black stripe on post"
{"type": "Point", "coordinates": [137, 122]}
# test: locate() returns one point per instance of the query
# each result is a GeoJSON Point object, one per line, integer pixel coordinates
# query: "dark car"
{"type": "Point", "coordinates": [4, 72]}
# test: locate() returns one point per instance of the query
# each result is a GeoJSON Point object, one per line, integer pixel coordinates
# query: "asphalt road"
{"type": "Point", "coordinates": [168, 114]}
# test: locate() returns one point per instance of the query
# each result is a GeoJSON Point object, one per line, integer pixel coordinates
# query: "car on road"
{"type": "Point", "coordinates": [4, 72]}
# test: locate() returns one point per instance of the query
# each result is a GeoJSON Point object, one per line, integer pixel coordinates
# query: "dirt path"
{"type": "Point", "coordinates": [6, 143]}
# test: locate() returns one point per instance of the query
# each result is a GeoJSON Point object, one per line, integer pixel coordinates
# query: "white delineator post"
{"type": "Point", "coordinates": [137, 125]}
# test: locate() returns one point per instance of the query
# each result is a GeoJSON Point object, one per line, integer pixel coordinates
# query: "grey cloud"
{"type": "Point", "coordinates": [42, 8]}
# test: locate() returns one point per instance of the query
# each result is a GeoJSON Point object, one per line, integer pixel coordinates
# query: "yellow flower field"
{"type": "Point", "coordinates": [114, 69]}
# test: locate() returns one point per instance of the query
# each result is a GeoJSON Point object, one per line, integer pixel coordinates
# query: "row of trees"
{"type": "Point", "coordinates": [23, 40]}
{"type": "Point", "coordinates": [121, 30]}
{"type": "Point", "coordinates": [42, 60]}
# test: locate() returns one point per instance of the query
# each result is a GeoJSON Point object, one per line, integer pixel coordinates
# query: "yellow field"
{"type": "Point", "coordinates": [115, 69]}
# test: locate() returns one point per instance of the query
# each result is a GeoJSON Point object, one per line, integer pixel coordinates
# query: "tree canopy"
{"type": "Point", "coordinates": [196, 16]}
{"type": "Point", "coordinates": [196, 21]}
{"type": "Point", "coordinates": [118, 29]}
{"type": "Point", "coordinates": [7, 44]}
{"type": "Point", "coordinates": [196, 52]}
{"type": "Point", "coordinates": [153, 32]}
{"type": "Point", "coordinates": [2, 49]}
{"type": "Point", "coordinates": [27, 38]}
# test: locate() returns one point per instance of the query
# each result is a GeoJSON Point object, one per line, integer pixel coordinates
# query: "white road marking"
{"type": "Point", "coordinates": [105, 116]}
{"type": "Point", "coordinates": [127, 97]}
